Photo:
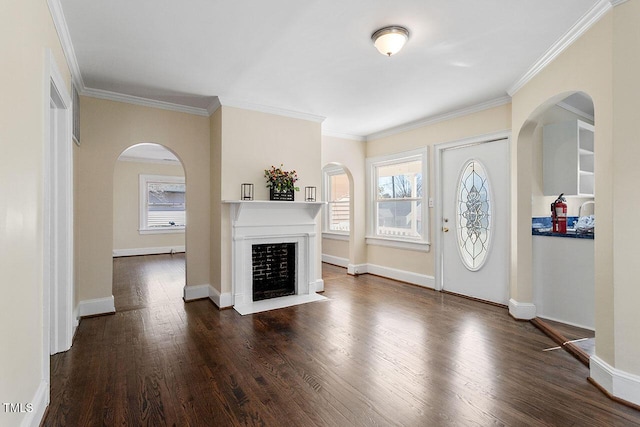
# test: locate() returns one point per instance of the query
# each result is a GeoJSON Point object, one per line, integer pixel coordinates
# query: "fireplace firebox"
{"type": "Point", "coordinates": [274, 270]}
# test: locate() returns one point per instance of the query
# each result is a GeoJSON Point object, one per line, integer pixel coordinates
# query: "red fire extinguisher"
{"type": "Point", "coordinates": [559, 215]}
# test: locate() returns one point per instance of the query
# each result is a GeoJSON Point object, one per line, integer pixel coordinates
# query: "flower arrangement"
{"type": "Point", "coordinates": [280, 180]}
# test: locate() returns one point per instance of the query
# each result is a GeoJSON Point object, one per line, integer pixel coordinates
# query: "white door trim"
{"type": "Point", "coordinates": [438, 224]}
{"type": "Point", "coordinates": [58, 322]}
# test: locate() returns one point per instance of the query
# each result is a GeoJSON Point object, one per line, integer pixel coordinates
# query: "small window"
{"type": "Point", "coordinates": [398, 198]}
{"type": "Point", "coordinates": [338, 201]}
{"type": "Point", "coordinates": [162, 204]}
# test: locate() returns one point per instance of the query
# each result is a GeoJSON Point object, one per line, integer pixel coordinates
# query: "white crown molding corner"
{"type": "Point", "coordinates": [592, 16]}
{"type": "Point", "coordinates": [332, 134]}
{"type": "Point", "coordinates": [39, 404]}
{"type": "Point", "coordinates": [93, 307]}
{"type": "Point", "coordinates": [227, 102]}
{"type": "Point", "coordinates": [522, 310]}
{"type": "Point", "coordinates": [214, 105]}
{"type": "Point", "coordinates": [62, 29]}
{"type": "Point", "coordinates": [335, 260]}
{"type": "Point", "coordinates": [191, 293]}
{"type": "Point", "coordinates": [615, 382]}
{"type": "Point", "coordinates": [441, 117]}
{"type": "Point", "coordinates": [145, 102]}
{"type": "Point", "coordinates": [402, 275]}
{"type": "Point", "coordinates": [615, 3]}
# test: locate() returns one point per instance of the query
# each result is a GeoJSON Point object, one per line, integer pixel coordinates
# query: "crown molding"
{"type": "Point", "coordinates": [576, 111]}
{"type": "Point", "coordinates": [441, 117]}
{"type": "Point", "coordinates": [60, 24]}
{"type": "Point", "coordinates": [343, 136]}
{"type": "Point", "coordinates": [578, 29]}
{"type": "Point", "coordinates": [615, 3]}
{"type": "Point", "coordinates": [227, 102]}
{"type": "Point", "coordinates": [213, 107]}
{"type": "Point", "coordinates": [136, 100]}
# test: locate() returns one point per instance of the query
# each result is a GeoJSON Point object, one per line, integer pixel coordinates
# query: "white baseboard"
{"type": "Point", "coordinates": [617, 383]}
{"type": "Point", "coordinates": [335, 260]}
{"type": "Point", "coordinates": [316, 286]}
{"type": "Point", "coordinates": [96, 306]}
{"type": "Point", "coordinates": [223, 300]}
{"type": "Point", "coordinates": [39, 405]}
{"type": "Point", "coordinates": [401, 275]}
{"type": "Point", "coordinates": [355, 269]}
{"type": "Point", "coordinates": [148, 251]}
{"type": "Point", "coordinates": [191, 293]}
{"type": "Point", "coordinates": [577, 325]}
{"type": "Point", "coordinates": [522, 310]}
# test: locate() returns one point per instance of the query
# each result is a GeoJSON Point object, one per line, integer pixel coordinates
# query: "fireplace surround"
{"type": "Point", "coordinates": [255, 223]}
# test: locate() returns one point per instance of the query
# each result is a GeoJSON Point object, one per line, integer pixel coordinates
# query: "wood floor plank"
{"type": "Point", "coordinates": [376, 353]}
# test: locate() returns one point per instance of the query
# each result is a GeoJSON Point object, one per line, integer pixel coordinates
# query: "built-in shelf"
{"type": "Point", "coordinates": [568, 158]}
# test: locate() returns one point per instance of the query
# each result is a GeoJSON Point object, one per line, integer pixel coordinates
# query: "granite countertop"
{"type": "Point", "coordinates": [569, 233]}
{"type": "Point", "coordinates": [541, 226]}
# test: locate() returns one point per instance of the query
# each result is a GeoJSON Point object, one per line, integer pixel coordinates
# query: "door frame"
{"type": "Point", "coordinates": [438, 223]}
{"type": "Point", "coordinates": [58, 290]}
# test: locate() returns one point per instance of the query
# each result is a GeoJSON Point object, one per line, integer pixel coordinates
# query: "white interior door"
{"type": "Point", "coordinates": [475, 220]}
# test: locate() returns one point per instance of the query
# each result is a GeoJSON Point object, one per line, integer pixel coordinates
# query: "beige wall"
{"type": "Point", "coordinates": [250, 143]}
{"type": "Point", "coordinates": [350, 155]}
{"type": "Point", "coordinates": [626, 176]}
{"type": "Point", "coordinates": [480, 123]}
{"type": "Point", "coordinates": [107, 129]}
{"type": "Point", "coordinates": [216, 266]}
{"type": "Point", "coordinates": [26, 31]}
{"type": "Point", "coordinates": [585, 66]}
{"type": "Point", "coordinates": [126, 206]}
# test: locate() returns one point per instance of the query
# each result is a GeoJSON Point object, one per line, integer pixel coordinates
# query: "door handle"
{"type": "Point", "coordinates": [445, 229]}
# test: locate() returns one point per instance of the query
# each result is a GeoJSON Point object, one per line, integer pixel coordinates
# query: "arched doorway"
{"type": "Point", "coordinates": [338, 215]}
{"type": "Point", "coordinates": [149, 224]}
{"type": "Point", "coordinates": [560, 135]}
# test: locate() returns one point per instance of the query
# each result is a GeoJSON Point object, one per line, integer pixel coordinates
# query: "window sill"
{"type": "Point", "coordinates": [418, 245]}
{"type": "Point", "coordinates": [172, 230]}
{"type": "Point", "coordinates": [335, 236]}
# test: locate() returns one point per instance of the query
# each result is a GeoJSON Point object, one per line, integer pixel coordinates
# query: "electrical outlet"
{"type": "Point", "coordinates": [430, 202]}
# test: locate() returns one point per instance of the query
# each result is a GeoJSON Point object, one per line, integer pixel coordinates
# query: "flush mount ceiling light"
{"type": "Point", "coordinates": [389, 40]}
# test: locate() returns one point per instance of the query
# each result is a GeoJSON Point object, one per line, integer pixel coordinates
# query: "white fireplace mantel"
{"type": "Point", "coordinates": [251, 211]}
{"type": "Point", "coordinates": [261, 221]}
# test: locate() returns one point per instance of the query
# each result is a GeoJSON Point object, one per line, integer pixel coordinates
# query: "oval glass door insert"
{"type": "Point", "coordinates": [473, 215]}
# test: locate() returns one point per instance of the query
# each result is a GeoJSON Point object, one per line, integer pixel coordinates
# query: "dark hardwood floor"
{"type": "Point", "coordinates": [377, 353]}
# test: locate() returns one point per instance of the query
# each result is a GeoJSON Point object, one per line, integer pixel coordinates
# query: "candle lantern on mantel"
{"type": "Point", "coordinates": [246, 192]}
{"type": "Point", "coordinates": [310, 194]}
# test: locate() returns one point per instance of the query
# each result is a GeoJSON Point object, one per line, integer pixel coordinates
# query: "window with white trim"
{"type": "Point", "coordinates": [162, 204]}
{"type": "Point", "coordinates": [336, 194]}
{"type": "Point", "coordinates": [398, 200]}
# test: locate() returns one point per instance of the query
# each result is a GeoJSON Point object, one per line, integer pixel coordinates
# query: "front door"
{"type": "Point", "coordinates": [475, 220]}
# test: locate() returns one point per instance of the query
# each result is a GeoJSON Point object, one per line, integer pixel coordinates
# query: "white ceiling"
{"type": "Point", "coordinates": [316, 57]}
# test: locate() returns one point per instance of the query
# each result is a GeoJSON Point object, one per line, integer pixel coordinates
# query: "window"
{"type": "Point", "coordinates": [336, 193]}
{"type": "Point", "coordinates": [398, 190]}
{"type": "Point", "coordinates": [162, 204]}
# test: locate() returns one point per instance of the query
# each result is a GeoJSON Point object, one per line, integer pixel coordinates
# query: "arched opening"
{"type": "Point", "coordinates": [560, 139]}
{"type": "Point", "coordinates": [149, 224]}
{"type": "Point", "coordinates": [338, 215]}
